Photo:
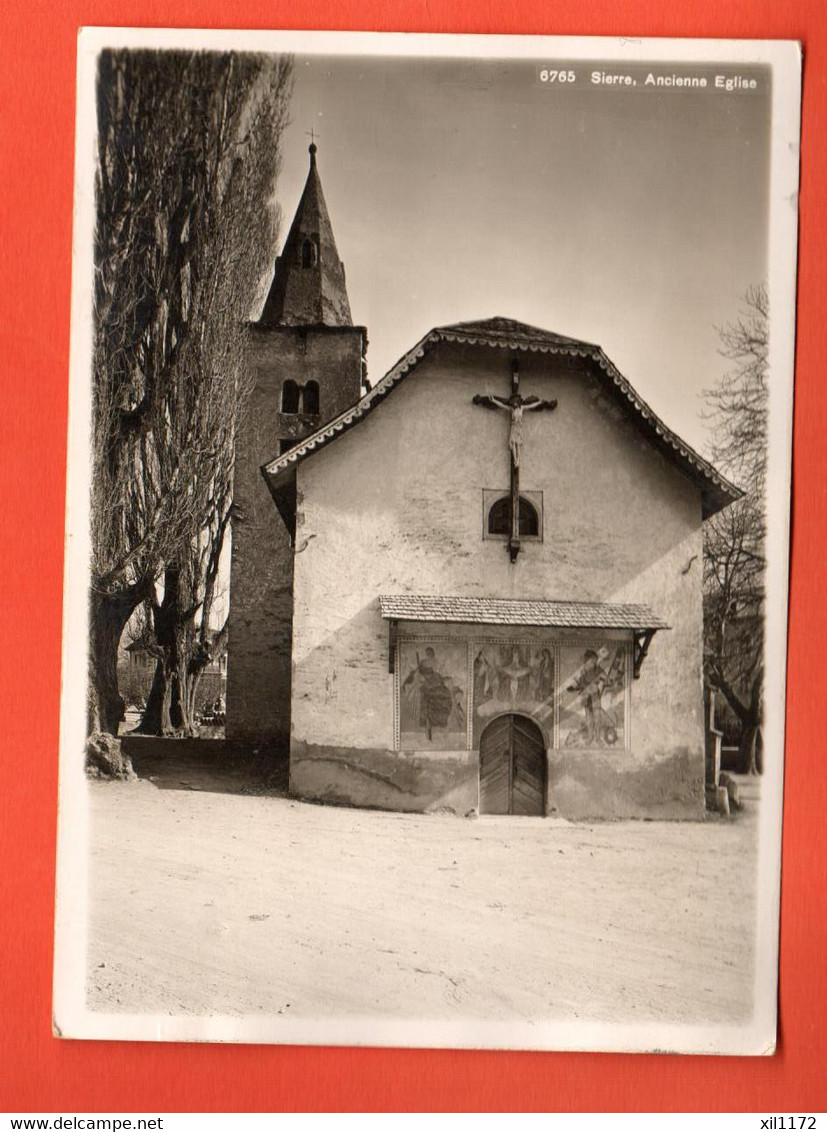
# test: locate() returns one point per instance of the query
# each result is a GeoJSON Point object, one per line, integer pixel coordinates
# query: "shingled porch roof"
{"type": "Point", "coordinates": [539, 612]}
{"type": "Point", "coordinates": [717, 492]}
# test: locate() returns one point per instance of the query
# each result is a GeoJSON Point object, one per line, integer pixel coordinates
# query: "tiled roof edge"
{"type": "Point", "coordinates": [406, 363]}
{"type": "Point", "coordinates": [392, 608]}
{"type": "Point", "coordinates": [356, 412]}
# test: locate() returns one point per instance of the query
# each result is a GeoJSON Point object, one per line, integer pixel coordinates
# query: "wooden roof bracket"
{"type": "Point", "coordinates": [643, 639]}
{"type": "Point", "coordinates": [393, 627]}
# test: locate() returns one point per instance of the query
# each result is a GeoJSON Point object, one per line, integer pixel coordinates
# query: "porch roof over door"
{"type": "Point", "coordinates": [540, 612]}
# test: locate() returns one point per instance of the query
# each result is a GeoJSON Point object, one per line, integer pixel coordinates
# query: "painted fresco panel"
{"type": "Point", "coordinates": [592, 697]}
{"type": "Point", "coordinates": [433, 695]}
{"type": "Point", "coordinates": [513, 676]}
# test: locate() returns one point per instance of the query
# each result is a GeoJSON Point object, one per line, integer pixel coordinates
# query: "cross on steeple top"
{"type": "Point", "coordinates": [515, 405]}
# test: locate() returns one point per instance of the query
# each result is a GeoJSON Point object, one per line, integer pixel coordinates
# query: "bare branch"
{"type": "Point", "coordinates": [734, 539]}
{"type": "Point", "coordinates": [188, 155]}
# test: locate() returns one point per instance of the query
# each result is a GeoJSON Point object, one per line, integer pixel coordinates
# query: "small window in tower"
{"type": "Point", "coordinates": [499, 518]}
{"type": "Point", "coordinates": [289, 397]}
{"type": "Point", "coordinates": [310, 397]}
{"type": "Point", "coordinates": [308, 253]}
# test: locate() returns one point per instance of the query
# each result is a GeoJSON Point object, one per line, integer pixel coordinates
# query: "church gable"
{"type": "Point", "coordinates": [427, 478]}
{"type": "Point", "coordinates": [521, 340]}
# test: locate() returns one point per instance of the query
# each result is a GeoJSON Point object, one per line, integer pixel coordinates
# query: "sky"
{"type": "Point", "coordinates": [633, 217]}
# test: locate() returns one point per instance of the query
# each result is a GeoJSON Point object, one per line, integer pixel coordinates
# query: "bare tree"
{"type": "Point", "coordinates": [188, 154]}
{"type": "Point", "coordinates": [734, 539]}
{"type": "Point", "coordinates": [180, 631]}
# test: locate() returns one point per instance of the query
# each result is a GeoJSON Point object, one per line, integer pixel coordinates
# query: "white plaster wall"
{"type": "Point", "coordinates": [395, 506]}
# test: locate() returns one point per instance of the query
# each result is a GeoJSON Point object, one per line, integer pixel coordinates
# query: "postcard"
{"type": "Point", "coordinates": [427, 540]}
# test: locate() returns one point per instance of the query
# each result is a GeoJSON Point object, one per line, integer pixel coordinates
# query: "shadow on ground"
{"type": "Point", "coordinates": [214, 766]}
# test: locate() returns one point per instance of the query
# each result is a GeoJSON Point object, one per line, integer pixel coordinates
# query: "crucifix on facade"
{"type": "Point", "coordinates": [515, 406]}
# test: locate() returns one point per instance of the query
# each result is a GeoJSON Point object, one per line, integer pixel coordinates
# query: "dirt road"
{"type": "Point", "coordinates": [209, 902]}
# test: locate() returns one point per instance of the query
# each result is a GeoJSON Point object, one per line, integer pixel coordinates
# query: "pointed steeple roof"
{"type": "Point", "coordinates": [308, 287]}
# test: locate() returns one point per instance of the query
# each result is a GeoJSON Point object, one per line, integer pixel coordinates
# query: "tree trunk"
{"type": "Point", "coordinates": [750, 746]}
{"type": "Point", "coordinates": [180, 713]}
{"type": "Point", "coordinates": [166, 711]}
{"type": "Point", "coordinates": [206, 650]}
{"type": "Point", "coordinates": [750, 753]}
{"type": "Point", "coordinates": [193, 683]}
{"type": "Point", "coordinates": [156, 715]}
{"type": "Point", "coordinates": [108, 615]}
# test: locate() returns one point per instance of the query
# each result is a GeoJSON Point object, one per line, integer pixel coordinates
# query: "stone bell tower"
{"type": "Point", "coordinates": [308, 364]}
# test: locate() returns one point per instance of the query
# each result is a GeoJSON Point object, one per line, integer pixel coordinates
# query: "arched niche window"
{"type": "Point", "coordinates": [499, 518]}
{"type": "Point", "coordinates": [310, 397]}
{"type": "Point", "coordinates": [289, 397]}
{"type": "Point", "coordinates": [308, 252]}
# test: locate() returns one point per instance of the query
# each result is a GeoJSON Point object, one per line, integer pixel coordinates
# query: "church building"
{"type": "Point", "coordinates": [474, 587]}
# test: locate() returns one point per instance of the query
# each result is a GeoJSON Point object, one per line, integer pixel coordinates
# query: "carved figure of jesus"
{"type": "Point", "coordinates": [515, 405]}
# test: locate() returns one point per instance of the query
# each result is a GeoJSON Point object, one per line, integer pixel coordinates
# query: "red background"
{"type": "Point", "coordinates": [40, 1073]}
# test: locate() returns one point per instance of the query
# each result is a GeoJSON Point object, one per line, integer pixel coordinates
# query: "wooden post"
{"type": "Point", "coordinates": [714, 739]}
{"type": "Point", "coordinates": [514, 540]}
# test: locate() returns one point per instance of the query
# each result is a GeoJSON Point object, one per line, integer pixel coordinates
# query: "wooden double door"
{"type": "Point", "coordinates": [512, 767]}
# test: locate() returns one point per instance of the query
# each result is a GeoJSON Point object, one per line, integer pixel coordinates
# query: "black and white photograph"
{"type": "Point", "coordinates": [427, 540]}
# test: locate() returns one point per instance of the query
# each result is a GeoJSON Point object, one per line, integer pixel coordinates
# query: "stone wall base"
{"type": "Point", "coordinates": [582, 785]}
